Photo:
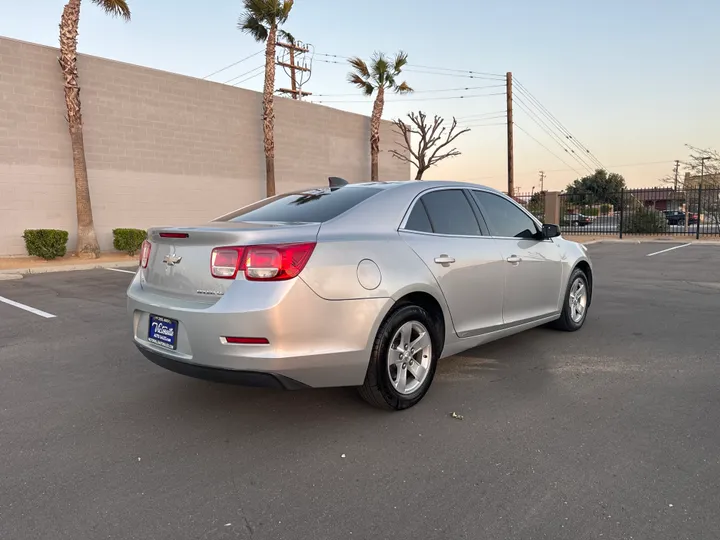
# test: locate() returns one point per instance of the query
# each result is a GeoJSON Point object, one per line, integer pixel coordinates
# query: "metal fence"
{"type": "Point", "coordinates": [693, 212]}
{"type": "Point", "coordinates": [534, 202]}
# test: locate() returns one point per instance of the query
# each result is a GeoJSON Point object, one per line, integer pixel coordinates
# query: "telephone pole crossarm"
{"type": "Point", "coordinates": [296, 70]}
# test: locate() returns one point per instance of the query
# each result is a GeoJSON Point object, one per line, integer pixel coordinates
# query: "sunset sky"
{"type": "Point", "coordinates": [634, 81]}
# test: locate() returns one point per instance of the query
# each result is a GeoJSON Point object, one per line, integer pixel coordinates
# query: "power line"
{"type": "Point", "coordinates": [563, 130]}
{"type": "Point", "coordinates": [422, 91]}
{"type": "Point", "coordinates": [478, 115]}
{"type": "Point", "coordinates": [469, 96]}
{"type": "Point", "coordinates": [610, 167]}
{"type": "Point", "coordinates": [459, 75]}
{"type": "Point", "coordinates": [551, 130]}
{"type": "Point", "coordinates": [477, 120]}
{"type": "Point", "coordinates": [243, 74]}
{"type": "Point", "coordinates": [466, 72]}
{"type": "Point", "coordinates": [483, 125]}
{"type": "Point", "coordinates": [250, 77]}
{"type": "Point", "coordinates": [426, 72]}
{"type": "Point", "coordinates": [233, 64]}
{"type": "Point", "coordinates": [557, 122]}
{"type": "Point", "coordinates": [558, 140]}
{"type": "Point", "coordinates": [546, 148]}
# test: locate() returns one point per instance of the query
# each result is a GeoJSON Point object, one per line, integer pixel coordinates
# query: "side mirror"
{"type": "Point", "coordinates": [550, 231]}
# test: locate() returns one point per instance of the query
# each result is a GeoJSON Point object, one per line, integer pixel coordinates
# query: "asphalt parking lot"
{"type": "Point", "coordinates": [610, 432]}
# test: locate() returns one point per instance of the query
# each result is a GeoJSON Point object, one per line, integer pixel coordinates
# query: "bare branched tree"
{"type": "Point", "coordinates": [701, 167]}
{"type": "Point", "coordinates": [432, 144]}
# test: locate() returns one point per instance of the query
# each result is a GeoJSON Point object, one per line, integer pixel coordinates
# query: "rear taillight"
{"type": "Point", "coordinates": [261, 263]}
{"type": "Point", "coordinates": [145, 253]}
{"type": "Point", "coordinates": [276, 263]}
{"type": "Point", "coordinates": [174, 235]}
{"type": "Point", "coordinates": [225, 262]}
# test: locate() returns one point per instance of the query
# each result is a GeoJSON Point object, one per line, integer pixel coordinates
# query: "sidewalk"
{"type": "Point", "coordinates": [16, 267]}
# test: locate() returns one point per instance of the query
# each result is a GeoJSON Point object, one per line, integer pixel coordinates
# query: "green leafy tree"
{"type": "Point", "coordinates": [262, 20]}
{"type": "Point", "coordinates": [599, 187]}
{"type": "Point", "coordinates": [380, 75]}
{"type": "Point", "coordinates": [87, 243]}
{"type": "Point", "coordinates": [536, 205]}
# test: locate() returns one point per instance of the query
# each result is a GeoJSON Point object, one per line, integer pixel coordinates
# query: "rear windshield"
{"type": "Point", "coordinates": [313, 206]}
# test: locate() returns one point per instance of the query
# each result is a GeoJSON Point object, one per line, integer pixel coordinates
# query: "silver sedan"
{"type": "Point", "coordinates": [365, 285]}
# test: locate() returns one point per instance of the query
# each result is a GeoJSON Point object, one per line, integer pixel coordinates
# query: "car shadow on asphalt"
{"type": "Point", "coordinates": [518, 363]}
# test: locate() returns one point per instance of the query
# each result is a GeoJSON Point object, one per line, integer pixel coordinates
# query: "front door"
{"type": "Point", "coordinates": [444, 231]}
{"type": "Point", "coordinates": [533, 267]}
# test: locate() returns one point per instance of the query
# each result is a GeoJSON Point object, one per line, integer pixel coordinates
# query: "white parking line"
{"type": "Point", "coordinates": [121, 270]}
{"type": "Point", "coordinates": [26, 308]}
{"type": "Point", "coordinates": [668, 249]}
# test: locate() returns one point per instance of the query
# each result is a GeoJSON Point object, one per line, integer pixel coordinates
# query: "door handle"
{"type": "Point", "coordinates": [444, 259]}
{"type": "Point", "coordinates": [514, 259]}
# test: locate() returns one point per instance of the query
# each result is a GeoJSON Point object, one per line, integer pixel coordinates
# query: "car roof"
{"type": "Point", "coordinates": [385, 211]}
{"type": "Point", "coordinates": [422, 185]}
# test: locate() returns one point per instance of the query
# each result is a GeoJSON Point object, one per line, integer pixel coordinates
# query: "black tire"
{"type": "Point", "coordinates": [377, 389]}
{"type": "Point", "coordinates": [566, 322]}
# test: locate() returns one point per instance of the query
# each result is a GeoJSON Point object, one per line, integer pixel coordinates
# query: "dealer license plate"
{"type": "Point", "coordinates": [163, 331]}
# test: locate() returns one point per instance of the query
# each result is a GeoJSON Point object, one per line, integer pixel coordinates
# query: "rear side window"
{"type": "Point", "coordinates": [313, 206]}
{"type": "Point", "coordinates": [448, 212]}
{"type": "Point", "coordinates": [418, 220]}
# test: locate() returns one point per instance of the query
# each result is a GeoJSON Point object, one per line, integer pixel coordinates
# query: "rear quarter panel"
{"type": "Point", "coordinates": [332, 271]}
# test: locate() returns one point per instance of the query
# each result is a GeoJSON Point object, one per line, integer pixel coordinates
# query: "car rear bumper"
{"type": "Point", "coordinates": [312, 341]}
{"type": "Point", "coordinates": [229, 376]}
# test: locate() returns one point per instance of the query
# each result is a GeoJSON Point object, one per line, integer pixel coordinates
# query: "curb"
{"type": "Point", "coordinates": [653, 241]}
{"type": "Point", "coordinates": [19, 273]}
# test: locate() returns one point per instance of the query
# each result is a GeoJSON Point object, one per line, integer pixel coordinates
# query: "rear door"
{"type": "Point", "coordinates": [444, 231]}
{"type": "Point", "coordinates": [533, 267]}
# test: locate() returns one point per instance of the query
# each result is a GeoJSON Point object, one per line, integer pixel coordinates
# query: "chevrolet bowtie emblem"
{"type": "Point", "coordinates": [172, 260]}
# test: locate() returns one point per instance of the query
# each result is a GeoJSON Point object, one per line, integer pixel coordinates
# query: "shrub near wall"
{"type": "Point", "coordinates": [46, 243]}
{"type": "Point", "coordinates": [128, 240]}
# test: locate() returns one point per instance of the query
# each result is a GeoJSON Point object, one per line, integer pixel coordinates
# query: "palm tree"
{"type": "Point", "coordinates": [261, 19]}
{"type": "Point", "coordinates": [87, 244]}
{"type": "Point", "coordinates": [382, 74]}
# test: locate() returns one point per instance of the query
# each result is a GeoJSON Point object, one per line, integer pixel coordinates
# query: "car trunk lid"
{"type": "Point", "coordinates": [179, 262]}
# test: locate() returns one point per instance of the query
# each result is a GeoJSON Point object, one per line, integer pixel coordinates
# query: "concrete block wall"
{"type": "Point", "coordinates": [162, 149]}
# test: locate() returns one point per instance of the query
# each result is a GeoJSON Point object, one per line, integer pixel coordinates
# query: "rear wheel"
{"type": "Point", "coordinates": [403, 360]}
{"type": "Point", "coordinates": [575, 306]}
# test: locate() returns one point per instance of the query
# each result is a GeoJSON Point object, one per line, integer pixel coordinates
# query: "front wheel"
{"type": "Point", "coordinates": [576, 303]}
{"type": "Point", "coordinates": [403, 360]}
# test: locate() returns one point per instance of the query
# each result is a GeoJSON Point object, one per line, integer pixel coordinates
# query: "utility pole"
{"type": "Point", "coordinates": [677, 169]}
{"type": "Point", "coordinates": [510, 156]}
{"type": "Point", "coordinates": [292, 48]}
{"type": "Point", "coordinates": [542, 181]}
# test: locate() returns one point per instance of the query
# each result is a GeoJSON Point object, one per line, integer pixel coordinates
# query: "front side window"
{"type": "Point", "coordinates": [504, 218]}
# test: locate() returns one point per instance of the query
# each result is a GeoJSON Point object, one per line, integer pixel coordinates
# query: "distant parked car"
{"type": "Point", "coordinates": [580, 220]}
{"type": "Point", "coordinates": [364, 285]}
{"type": "Point", "coordinates": [677, 217]}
